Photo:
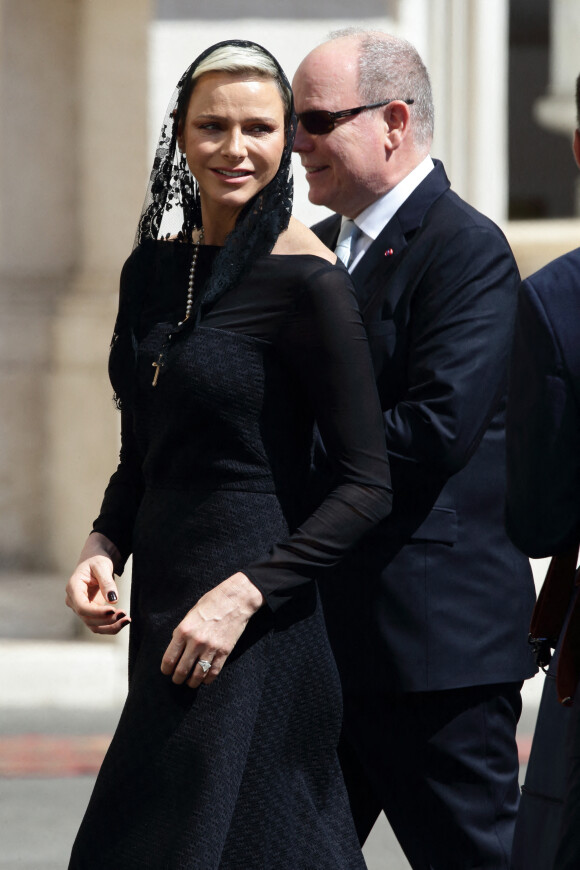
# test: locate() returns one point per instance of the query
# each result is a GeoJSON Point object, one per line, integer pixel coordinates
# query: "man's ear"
{"type": "Point", "coordinates": [397, 117]}
{"type": "Point", "coordinates": [576, 146]}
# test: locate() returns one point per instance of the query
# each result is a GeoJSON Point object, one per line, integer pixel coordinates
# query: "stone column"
{"type": "Point", "coordinates": [467, 57]}
{"type": "Point", "coordinates": [556, 110]}
{"type": "Point", "coordinates": [110, 152]}
{"type": "Point", "coordinates": [38, 236]}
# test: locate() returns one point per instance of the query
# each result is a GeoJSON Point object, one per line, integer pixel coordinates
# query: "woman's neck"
{"type": "Point", "coordinates": [218, 223]}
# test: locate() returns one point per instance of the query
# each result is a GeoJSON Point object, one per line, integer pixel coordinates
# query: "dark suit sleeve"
{"type": "Point", "coordinates": [459, 335]}
{"type": "Point", "coordinates": [543, 437]}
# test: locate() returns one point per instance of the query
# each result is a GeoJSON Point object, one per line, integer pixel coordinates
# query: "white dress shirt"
{"type": "Point", "coordinates": [376, 216]}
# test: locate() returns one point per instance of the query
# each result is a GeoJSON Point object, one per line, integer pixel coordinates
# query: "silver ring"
{"type": "Point", "coordinates": [204, 665]}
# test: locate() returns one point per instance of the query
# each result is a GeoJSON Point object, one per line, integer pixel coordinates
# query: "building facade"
{"type": "Point", "coordinates": [83, 86]}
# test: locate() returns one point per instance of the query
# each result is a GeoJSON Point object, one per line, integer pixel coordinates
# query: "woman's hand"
{"type": "Point", "coordinates": [91, 591]}
{"type": "Point", "coordinates": [210, 630]}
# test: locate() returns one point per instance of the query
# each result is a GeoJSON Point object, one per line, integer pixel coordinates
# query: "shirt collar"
{"type": "Point", "coordinates": [376, 216]}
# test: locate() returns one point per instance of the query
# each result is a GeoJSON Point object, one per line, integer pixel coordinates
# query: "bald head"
{"type": "Point", "coordinates": [366, 154]}
{"type": "Point", "coordinates": [388, 64]}
{"type": "Point", "coordinates": [342, 55]}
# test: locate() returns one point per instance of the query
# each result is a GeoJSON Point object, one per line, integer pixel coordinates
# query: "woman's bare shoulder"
{"type": "Point", "coordinates": [298, 239]}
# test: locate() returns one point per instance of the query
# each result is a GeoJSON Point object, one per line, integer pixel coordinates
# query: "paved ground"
{"type": "Point", "coordinates": [40, 809]}
{"type": "Point", "coordinates": [39, 818]}
{"type": "Point", "coordinates": [48, 760]}
{"type": "Point", "coordinates": [59, 703]}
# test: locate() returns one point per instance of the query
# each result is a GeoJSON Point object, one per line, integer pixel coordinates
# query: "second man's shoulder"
{"type": "Point", "coordinates": [557, 277]}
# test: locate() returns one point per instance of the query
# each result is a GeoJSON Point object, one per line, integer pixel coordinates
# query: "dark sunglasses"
{"type": "Point", "coordinates": [319, 121]}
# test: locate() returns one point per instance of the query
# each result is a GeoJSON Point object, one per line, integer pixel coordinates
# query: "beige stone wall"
{"type": "Point", "coordinates": [74, 156]}
{"type": "Point", "coordinates": [38, 238]}
{"type": "Point", "coordinates": [73, 165]}
{"type": "Point", "coordinates": [112, 173]}
{"type": "Point", "coordinates": [535, 243]}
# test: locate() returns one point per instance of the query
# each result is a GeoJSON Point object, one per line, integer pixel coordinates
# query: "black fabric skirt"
{"type": "Point", "coordinates": [242, 773]}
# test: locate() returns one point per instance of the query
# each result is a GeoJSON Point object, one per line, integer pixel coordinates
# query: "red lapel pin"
{"type": "Point", "coordinates": [389, 252]}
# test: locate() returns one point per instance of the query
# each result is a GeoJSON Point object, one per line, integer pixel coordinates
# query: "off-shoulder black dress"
{"type": "Point", "coordinates": [213, 479]}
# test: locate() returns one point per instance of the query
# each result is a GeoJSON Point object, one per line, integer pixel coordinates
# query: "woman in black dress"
{"type": "Point", "coordinates": [233, 335]}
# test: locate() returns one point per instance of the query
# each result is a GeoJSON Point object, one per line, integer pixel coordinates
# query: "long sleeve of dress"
{"type": "Point", "coordinates": [125, 489]}
{"type": "Point", "coordinates": [310, 321]}
{"type": "Point", "coordinates": [123, 495]}
{"type": "Point", "coordinates": [324, 341]}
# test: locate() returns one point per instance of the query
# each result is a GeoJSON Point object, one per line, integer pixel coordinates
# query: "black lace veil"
{"type": "Point", "coordinates": [172, 202]}
{"type": "Point", "coordinates": [172, 206]}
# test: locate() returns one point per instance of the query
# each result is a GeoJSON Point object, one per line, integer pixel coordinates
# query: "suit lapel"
{"type": "Point", "coordinates": [384, 254]}
{"type": "Point", "coordinates": [380, 259]}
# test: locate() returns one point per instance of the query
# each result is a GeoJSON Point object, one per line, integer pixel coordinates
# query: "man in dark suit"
{"type": "Point", "coordinates": [429, 616]}
{"type": "Point", "coordinates": [543, 519]}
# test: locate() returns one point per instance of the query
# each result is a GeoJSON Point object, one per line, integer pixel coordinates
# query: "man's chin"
{"type": "Point", "coordinates": [316, 197]}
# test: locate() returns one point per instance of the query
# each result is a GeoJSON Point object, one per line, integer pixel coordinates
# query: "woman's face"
{"type": "Point", "coordinates": [233, 139]}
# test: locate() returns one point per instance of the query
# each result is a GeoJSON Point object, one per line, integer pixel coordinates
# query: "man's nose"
{"type": "Point", "coordinates": [303, 140]}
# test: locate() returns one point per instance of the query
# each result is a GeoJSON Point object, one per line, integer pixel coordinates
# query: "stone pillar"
{"type": "Point", "coordinates": [556, 110]}
{"type": "Point", "coordinates": [38, 236]}
{"type": "Point", "coordinates": [112, 162]}
{"type": "Point", "coordinates": [467, 57]}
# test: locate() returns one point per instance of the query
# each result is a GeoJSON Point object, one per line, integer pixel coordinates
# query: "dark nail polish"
{"type": "Point", "coordinates": [120, 616]}
{"type": "Point", "coordinates": [112, 596]}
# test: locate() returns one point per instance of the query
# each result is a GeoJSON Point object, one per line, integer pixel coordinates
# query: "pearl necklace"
{"type": "Point", "coordinates": [160, 361]}
{"type": "Point", "coordinates": [189, 301]}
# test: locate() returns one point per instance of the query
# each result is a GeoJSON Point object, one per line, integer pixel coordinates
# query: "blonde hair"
{"type": "Point", "coordinates": [245, 59]}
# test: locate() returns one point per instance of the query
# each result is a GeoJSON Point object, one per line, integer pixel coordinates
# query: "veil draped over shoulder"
{"type": "Point", "coordinates": [172, 207]}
